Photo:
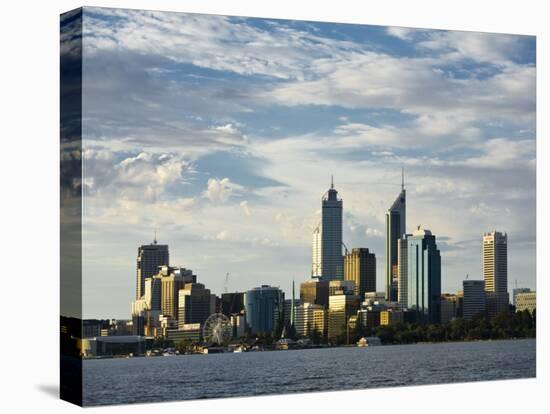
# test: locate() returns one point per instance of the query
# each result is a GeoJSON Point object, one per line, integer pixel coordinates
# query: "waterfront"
{"type": "Point", "coordinates": [139, 380]}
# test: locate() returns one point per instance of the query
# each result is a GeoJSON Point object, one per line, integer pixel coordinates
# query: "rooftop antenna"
{"type": "Point", "coordinates": [332, 181]}
{"type": "Point", "coordinates": [467, 275]}
{"type": "Point", "coordinates": [155, 238]}
{"type": "Point", "coordinates": [402, 178]}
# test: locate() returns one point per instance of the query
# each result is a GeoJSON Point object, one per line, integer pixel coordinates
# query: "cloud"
{"type": "Point", "coordinates": [219, 191]}
{"type": "Point", "coordinates": [403, 33]}
{"type": "Point", "coordinates": [144, 176]}
{"type": "Point", "coordinates": [245, 208]}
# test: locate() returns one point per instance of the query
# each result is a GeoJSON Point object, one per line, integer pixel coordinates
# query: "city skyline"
{"type": "Point", "coordinates": [231, 173]}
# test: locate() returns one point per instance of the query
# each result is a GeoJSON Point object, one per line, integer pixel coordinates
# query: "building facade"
{"type": "Point", "coordinates": [149, 258]}
{"type": "Point", "coordinates": [305, 319]}
{"type": "Point", "coordinates": [495, 271]}
{"type": "Point", "coordinates": [424, 276]}
{"type": "Point", "coordinates": [395, 228]}
{"type": "Point", "coordinates": [448, 307]}
{"type": "Point", "coordinates": [315, 291]}
{"type": "Point", "coordinates": [518, 290]}
{"type": "Point", "coordinates": [474, 299]}
{"type": "Point", "coordinates": [194, 304]}
{"type": "Point", "coordinates": [360, 268]}
{"type": "Point", "coordinates": [332, 263]}
{"type": "Point", "coordinates": [402, 269]}
{"type": "Point", "coordinates": [232, 303]}
{"type": "Point", "coordinates": [316, 253]}
{"type": "Point", "coordinates": [526, 301]}
{"type": "Point", "coordinates": [341, 307]}
{"type": "Point", "coordinates": [264, 309]}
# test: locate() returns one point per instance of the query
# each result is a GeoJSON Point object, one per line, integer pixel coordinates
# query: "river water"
{"type": "Point", "coordinates": [138, 380]}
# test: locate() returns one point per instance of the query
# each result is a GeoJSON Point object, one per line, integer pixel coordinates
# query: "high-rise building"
{"type": "Point", "coordinates": [152, 293]}
{"type": "Point", "coordinates": [316, 253]}
{"type": "Point", "coordinates": [495, 271]}
{"type": "Point", "coordinates": [341, 307]}
{"type": "Point", "coordinates": [360, 267]}
{"type": "Point", "coordinates": [172, 279]}
{"type": "Point", "coordinates": [232, 303]}
{"type": "Point", "coordinates": [304, 318]}
{"type": "Point", "coordinates": [264, 309]}
{"type": "Point", "coordinates": [149, 258]}
{"type": "Point", "coordinates": [315, 291]}
{"type": "Point", "coordinates": [194, 304]}
{"type": "Point", "coordinates": [395, 228]}
{"type": "Point", "coordinates": [474, 300]}
{"type": "Point", "coordinates": [448, 307]}
{"type": "Point", "coordinates": [332, 261]}
{"type": "Point", "coordinates": [526, 301]}
{"type": "Point", "coordinates": [402, 269]}
{"type": "Point", "coordinates": [319, 318]}
{"type": "Point", "coordinates": [341, 287]}
{"type": "Point", "coordinates": [424, 276]}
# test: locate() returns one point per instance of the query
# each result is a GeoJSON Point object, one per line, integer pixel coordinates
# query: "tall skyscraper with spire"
{"type": "Point", "coordinates": [149, 258]}
{"type": "Point", "coordinates": [395, 228]}
{"type": "Point", "coordinates": [332, 261]}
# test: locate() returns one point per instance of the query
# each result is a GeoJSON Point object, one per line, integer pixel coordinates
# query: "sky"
{"type": "Point", "coordinates": [222, 133]}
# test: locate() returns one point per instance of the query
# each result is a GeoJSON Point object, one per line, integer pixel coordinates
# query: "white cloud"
{"type": "Point", "coordinates": [404, 33]}
{"type": "Point", "coordinates": [245, 208]}
{"type": "Point", "coordinates": [219, 191]}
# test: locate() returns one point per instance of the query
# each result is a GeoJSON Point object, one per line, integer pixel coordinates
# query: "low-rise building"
{"type": "Point", "coordinates": [526, 301]}
{"type": "Point", "coordinates": [189, 332]}
{"type": "Point", "coordinates": [113, 345]}
{"type": "Point", "coordinates": [391, 317]}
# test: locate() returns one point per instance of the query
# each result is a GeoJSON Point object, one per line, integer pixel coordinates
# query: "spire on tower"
{"type": "Point", "coordinates": [155, 238]}
{"type": "Point", "coordinates": [332, 181]}
{"type": "Point", "coordinates": [402, 178]}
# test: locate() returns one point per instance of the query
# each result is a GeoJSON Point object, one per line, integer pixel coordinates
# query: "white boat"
{"type": "Point", "coordinates": [369, 341]}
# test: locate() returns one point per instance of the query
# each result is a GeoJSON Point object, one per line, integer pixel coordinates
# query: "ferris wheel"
{"type": "Point", "coordinates": [217, 329]}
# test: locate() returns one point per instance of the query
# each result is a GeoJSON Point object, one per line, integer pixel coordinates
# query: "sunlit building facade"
{"type": "Point", "coordinates": [360, 267]}
{"type": "Point", "coordinates": [495, 271]}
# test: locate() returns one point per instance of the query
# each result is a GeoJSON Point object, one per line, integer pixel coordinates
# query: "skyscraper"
{"type": "Point", "coordinates": [193, 304]}
{"type": "Point", "coordinates": [424, 276]}
{"type": "Point", "coordinates": [360, 267]}
{"type": "Point", "coordinates": [395, 228]}
{"type": "Point", "coordinates": [332, 261]}
{"type": "Point", "coordinates": [402, 269]}
{"type": "Point", "coordinates": [474, 299]}
{"type": "Point", "coordinates": [316, 253]}
{"type": "Point", "coordinates": [495, 271]}
{"type": "Point", "coordinates": [264, 309]}
{"type": "Point", "coordinates": [149, 258]}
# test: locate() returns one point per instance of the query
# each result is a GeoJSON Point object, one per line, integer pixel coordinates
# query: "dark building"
{"type": "Point", "coordinates": [360, 267]}
{"type": "Point", "coordinates": [232, 303]}
{"type": "Point", "coordinates": [395, 228]}
{"type": "Point", "coordinates": [264, 309]}
{"type": "Point", "coordinates": [194, 304]}
{"type": "Point", "coordinates": [315, 291]}
{"type": "Point", "coordinates": [424, 276]}
{"type": "Point", "coordinates": [138, 325]}
{"type": "Point", "coordinates": [150, 257]}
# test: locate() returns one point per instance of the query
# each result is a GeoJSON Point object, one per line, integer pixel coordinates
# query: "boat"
{"type": "Point", "coordinates": [369, 341]}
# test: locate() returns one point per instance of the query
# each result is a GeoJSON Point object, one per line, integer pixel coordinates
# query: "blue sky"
{"type": "Point", "coordinates": [222, 133]}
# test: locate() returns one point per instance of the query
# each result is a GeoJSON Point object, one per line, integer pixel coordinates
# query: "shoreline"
{"type": "Point", "coordinates": [303, 349]}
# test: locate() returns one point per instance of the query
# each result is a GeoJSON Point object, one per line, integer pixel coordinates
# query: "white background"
{"type": "Point", "coordinates": [29, 234]}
